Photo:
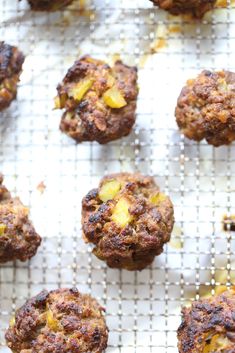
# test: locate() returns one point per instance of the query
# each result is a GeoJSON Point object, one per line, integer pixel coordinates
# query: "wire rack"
{"type": "Point", "coordinates": [143, 308]}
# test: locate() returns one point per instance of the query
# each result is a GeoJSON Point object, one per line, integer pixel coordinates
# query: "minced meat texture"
{"type": "Point", "coordinates": [206, 108]}
{"type": "Point", "coordinates": [195, 7]}
{"type": "Point", "coordinates": [99, 101]}
{"type": "Point", "coordinates": [48, 5]}
{"type": "Point", "coordinates": [209, 325]}
{"type": "Point", "coordinates": [59, 321]}
{"type": "Point", "coordinates": [128, 220]}
{"type": "Point", "coordinates": [18, 238]}
{"type": "Point", "coordinates": [11, 61]}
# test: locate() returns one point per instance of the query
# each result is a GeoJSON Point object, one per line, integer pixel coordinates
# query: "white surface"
{"type": "Point", "coordinates": [143, 309]}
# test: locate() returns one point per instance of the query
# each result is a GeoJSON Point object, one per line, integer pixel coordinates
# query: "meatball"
{"type": "Point", "coordinates": [209, 325]}
{"type": "Point", "coordinates": [99, 101]}
{"type": "Point", "coordinates": [59, 321]}
{"type": "Point", "coordinates": [11, 61]}
{"type": "Point", "coordinates": [206, 108]}
{"type": "Point", "coordinates": [48, 5]}
{"type": "Point", "coordinates": [18, 238]}
{"type": "Point", "coordinates": [128, 220]}
{"type": "Point", "coordinates": [195, 7]}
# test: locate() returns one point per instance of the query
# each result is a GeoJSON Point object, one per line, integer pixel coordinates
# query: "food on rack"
{"type": "Point", "coordinates": [48, 5]}
{"type": "Point", "coordinates": [206, 108]}
{"type": "Point", "coordinates": [128, 219]}
{"type": "Point", "coordinates": [99, 101]}
{"type": "Point", "coordinates": [60, 321]}
{"type": "Point", "coordinates": [209, 325]}
{"type": "Point", "coordinates": [18, 238]}
{"type": "Point", "coordinates": [195, 7]}
{"type": "Point", "coordinates": [11, 61]}
{"type": "Point", "coordinates": [229, 223]}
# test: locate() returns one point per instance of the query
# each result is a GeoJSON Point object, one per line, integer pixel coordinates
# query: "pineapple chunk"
{"type": "Point", "coordinates": [157, 199]}
{"type": "Point", "coordinates": [59, 101]}
{"type": "Point", "coordinates": [110, 81]}
{"type": "Point", "coordinates": [2, 228]}
{"type": "Point", "coordinates": [52, 323]}
{"type": "Point", "coordinates": [109, 190]}
{"type": "Point", "coordinates": [12, 321]}
{"type": "Point", "coordinates": [176, 243]}
{"type": "Point", "coordinates": [121, 215]}
{"type": "Point", "coordinates": [80, 89]}
{"type": "Point", "coordinates": [217, 344]}
{"type": "Point", "coordinates": [114, 98]}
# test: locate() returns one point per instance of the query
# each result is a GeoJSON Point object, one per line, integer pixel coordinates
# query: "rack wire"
{"type": "Point", "coordinates": [143, 308]}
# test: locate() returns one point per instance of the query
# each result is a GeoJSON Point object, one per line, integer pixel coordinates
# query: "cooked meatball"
{"type": "Point", "coordinates": [99, 101]}
{"type": "Point", "coordinates": [195, 7]}
{"type": "Point", "coordinates": [59, 321]}
{"type": "Point", "coordinates": [209, 325]}
{"type": "Point", "coordinates": [18, 238]}
{"type": "Point", "coordinates": [11, 61]}
{"type": "Point", "coordinates": [48, 5]}
{"type": "Point", "coordinates": [206, 108]}
{"type": "Point", "coordinates": [128, 220]}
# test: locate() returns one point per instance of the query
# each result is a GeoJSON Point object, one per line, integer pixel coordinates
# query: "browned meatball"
{"type": "Point", "coordinates": [99, 101]}
{"type": "Point", "coordinates": [128, 219]}
{"type": "Point", "coordinates": [11, 61]}
{"type": "Point", "coordinates": [209, 325]}
{"type": "Point", "coordinates": [60, 321]}
{"type": "Point", "coordinates": [48, 5]}
{"type": "Point", "coordinates": [195, 7]}
{"type": "Point", "coordinates": [18, 238]}
{"type": "Point", "coordinates": [206, 108]}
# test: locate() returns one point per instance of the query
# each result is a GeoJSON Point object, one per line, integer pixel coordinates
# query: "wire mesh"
{"type": "Point", "coordinates": [143, 309]}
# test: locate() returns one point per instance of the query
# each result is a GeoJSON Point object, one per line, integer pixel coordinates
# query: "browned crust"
{"type": "Point", "coordinates": [206, 318]}
{"type": "Point", "coordinates": [91, 119]}
{"type": "Point", "coordinates": [206, 108]}
{"type": "Point", "coordinates": [135, 246]}
{"type": "Point", "coordinates": [48, 5]}
{"type": "Point", "coordinates": [195, 7]}
{"type": "Point", "coordinates": [11, 61]}
{"type": "Point", "coordinates": [19, 240]}
{"type": "Point", "coordinates": [78, 324]}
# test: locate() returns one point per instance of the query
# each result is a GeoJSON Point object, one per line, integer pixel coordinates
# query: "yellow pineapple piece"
{"type": "Point", "coordinates": [176, 243]}
{"type": "Point", "coordinates": [52, 323]}
{"type": "Point", "coordinates": [110, 81]}
{"type": "Point", "coordinates": [78, 91]}
{"type": "Point", "coordinates": [217, 344]}
{"type": "Point", "coordinates": [12, 321]}
{"type": "Point", "coordinates": [59, 101]}
{"type": "Point", "coordinates": [157, 198]}
{"type": "Point", "coordinates": [121, 215]}
{"type": "Point", "coordinates": [109, 190]}
{"type": "Point", "coordinates": [2, 228]}
{"type": "Point", "coordinates": [114, 98]}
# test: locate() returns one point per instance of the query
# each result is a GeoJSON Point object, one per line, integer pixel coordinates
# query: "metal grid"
{"type": "Point", "coordinates": [143, 309]}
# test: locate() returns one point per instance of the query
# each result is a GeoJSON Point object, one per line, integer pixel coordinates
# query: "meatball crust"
{"type": "Point", "coordinates": [195, 7]}
{"type": "Point", "coordinates": [99, 101]}
{"type": "Point", "coordinates": [206, 108]}
{"type": "Point", "coordinates": [59, 321]}
{"type": "Point", "coordinates": [48, 5]}
{"type": "Point", "coordinates": [128, 220]}
{"type": "Point", "coordinates": [11, 61]}
{"type": "Point", "coordinates": [18, 238]}
{"type": "Point", "coordinates": [209, 325]}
